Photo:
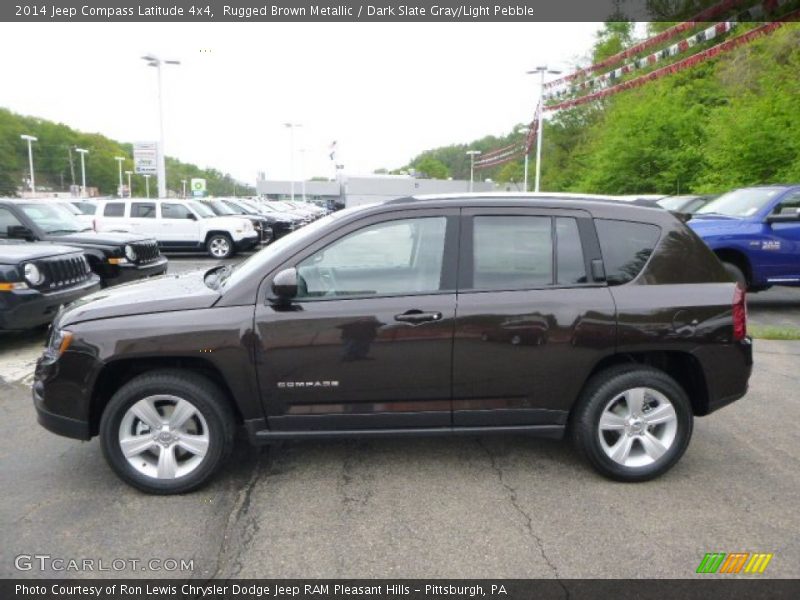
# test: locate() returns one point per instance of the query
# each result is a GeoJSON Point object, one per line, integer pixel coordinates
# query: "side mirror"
{"type": "Point", "coordinates": [284, 285]}
{"type": "Point", "coordinates": [786, 217]}
{"type": "Point", "coordinates": [20, 232]}
{"type": "Point", "coordinates": [191, 217]}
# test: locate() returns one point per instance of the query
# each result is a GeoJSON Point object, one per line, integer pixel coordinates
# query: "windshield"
{"type": "Point", "coordinates": [243, 208]}
{"type": "Point", "coordinates": [674, 202]}
{"type": "Point", "coordinates": [741, 203]}
{"type": "Point", "coordinates": [53, 218]}
{"type": "Point", "coordinates": [71, 208]}
{"type": "Point", "coordinates": [255, 264]}
{"type": "Point", "coordinates": [220, 208]}
{"type": "Point", "coordinates": [201, 209]}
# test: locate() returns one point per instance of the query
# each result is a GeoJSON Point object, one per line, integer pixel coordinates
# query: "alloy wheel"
{"type": "Point", "coordinates": [638, 427]}
{"type": "Point", "coordinates": [164, 437]}
{"type": "Point", "coordinates": [220, 247]}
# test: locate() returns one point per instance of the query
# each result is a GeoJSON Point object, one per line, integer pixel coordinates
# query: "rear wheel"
{"type": "Point", "coordinates": [220, 246]}
{"type": "Point", "coordinates": [632, 423]}
{"type": "Point", "coordinates": [167, 432]}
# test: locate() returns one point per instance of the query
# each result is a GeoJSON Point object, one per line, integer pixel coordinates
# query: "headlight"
{"type": "Point", "coordinates": [130, 253]}
{"type": "Point", "coordinates": [58, 344]}
{"type": "Point", "coordinates": [33, 275]}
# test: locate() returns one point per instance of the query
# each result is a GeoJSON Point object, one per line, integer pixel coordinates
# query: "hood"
{"type": "Point", "coordinates": [20, 251]}
{"type": "Point", "coordinates": [711, 224]}
{"type": "Point", "coordinates": [103, 238]}
{"type": "Point", "coordinates": [227, 222]}
{"type": "Point", "coordinates": [186, 291]}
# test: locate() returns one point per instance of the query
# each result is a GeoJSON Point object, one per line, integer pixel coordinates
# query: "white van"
{"type": "Point", "coordinates": [177, 225]}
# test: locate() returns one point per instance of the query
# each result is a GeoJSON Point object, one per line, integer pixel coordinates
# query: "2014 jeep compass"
{"type": "Point", "coordinates": [420, 316]}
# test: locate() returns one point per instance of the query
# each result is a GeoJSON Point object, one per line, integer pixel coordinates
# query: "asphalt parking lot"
{"type": "Point", "coordinates": [459, 508]}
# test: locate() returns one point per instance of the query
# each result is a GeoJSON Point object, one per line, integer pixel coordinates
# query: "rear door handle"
{"type": "Point", "coordinates": [417, 316]}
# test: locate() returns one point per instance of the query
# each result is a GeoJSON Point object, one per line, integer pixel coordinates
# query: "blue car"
{"type": "Point", "coordinates": [755, 232]}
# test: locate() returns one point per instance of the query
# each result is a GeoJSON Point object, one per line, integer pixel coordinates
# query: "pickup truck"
{"type": "Point", "coordinates": [755, 232]}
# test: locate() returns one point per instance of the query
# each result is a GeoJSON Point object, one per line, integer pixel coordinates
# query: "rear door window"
{"type": "Point", "coordinates": [626, 248]}
{"type": "Point", "coordinates": [114, 209]}
{"type": "Point", "coordinates": [143, 210]}
{"type": "Point", "coordinates": [512, 252]}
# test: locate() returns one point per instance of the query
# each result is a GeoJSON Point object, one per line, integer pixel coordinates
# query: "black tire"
{"type": "Point", "coordinates": [205, 397]}
{"type": "Point", "coordinates": [604, 388]}
{"type": "Point", "coordinates": [217, 241]}
{"type": "Point", "coordinates": [736, 274]}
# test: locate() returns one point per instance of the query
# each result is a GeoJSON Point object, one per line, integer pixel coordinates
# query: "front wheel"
{"type": "Point", "coordinates": [632, 423]}
{"type": "Point", "coordinates": [167, 432]}
{"type": "Point", "coordinates": [220, 246]}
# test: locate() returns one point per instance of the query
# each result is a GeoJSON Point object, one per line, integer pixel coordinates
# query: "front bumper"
{"type": "Point", "coordinates": [24, 309]}
{"type": "Point", "coordinates": [133, 272]}
{"type": "Point", "coordinates": [62, 393]}
{"type": "Point", "coordinates": [58, 424]}
{"type": "Point", "coordinates": [246, 243]}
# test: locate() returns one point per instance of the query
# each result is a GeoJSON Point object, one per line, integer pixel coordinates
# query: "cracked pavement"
{"type": "Point", "coordinates": [505, 506]}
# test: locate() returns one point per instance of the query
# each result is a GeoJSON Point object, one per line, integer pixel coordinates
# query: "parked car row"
{"type": "Point", "coordinates": [49, 257]}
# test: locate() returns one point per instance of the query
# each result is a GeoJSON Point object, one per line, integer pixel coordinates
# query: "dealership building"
{"type": "Point", "coordinates": [352, 191]}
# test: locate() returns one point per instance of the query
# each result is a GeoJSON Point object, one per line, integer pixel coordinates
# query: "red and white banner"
{"type": "Point", "coordinates": [686, 63]}
{"type": "Point", "coordinates": [710, 14]}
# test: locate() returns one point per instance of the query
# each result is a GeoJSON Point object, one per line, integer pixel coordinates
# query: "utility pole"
{"type": "Point", "coordinates": [30, 139]}
{"type": "Point", "coordinates": [542, 70]}
{"type": "Point", "coordinates": [472, 154]}
{"type": "Point", "coordinates": [83, 154]}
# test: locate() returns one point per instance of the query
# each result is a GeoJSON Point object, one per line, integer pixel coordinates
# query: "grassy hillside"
{"type": "Point", "coordinates": [730, 122]}
{"type": "Point", "coordinates": [52, 160]}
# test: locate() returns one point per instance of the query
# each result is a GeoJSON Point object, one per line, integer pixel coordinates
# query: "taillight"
{"type": "Point", "coordinates": [739, 313]}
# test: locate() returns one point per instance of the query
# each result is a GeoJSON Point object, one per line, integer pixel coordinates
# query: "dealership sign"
{"type": "Point", "coordinates": [145, 158]}
{"type": "Point", "coordinates": [198, 187]}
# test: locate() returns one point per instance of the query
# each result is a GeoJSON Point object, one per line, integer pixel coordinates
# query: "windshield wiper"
{"type": "Point", "coordinates": [57, 231]}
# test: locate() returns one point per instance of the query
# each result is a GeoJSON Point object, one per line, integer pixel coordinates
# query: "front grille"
{"type": "Point", "coordinates": [146, 252]}
{"type": "Point", "coordinates": [63, 271]}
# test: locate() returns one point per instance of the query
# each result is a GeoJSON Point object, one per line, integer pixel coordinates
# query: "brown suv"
{"type": "Point", "coordinates": [421, 316]}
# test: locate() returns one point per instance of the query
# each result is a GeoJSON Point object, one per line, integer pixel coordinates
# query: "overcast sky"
{"type": "Point", "coordinates": [384, 91]}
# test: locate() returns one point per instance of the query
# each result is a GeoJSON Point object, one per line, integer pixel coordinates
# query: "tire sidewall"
{"type": "Point", "coordinates": [612, 387]}
{"type": "Point", "coordinates": [222, 236]}
{"type": "Point", "coordinates": [126, 397]}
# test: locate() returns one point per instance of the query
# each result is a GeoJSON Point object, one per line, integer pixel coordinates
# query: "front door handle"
{"type": "Point", "coordinates": [417, 316]}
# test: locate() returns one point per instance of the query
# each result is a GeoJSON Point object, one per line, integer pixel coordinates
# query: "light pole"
{"type": "Point", "coordinates": [130, 189]}
{"type": "Point", "coordinates": [539, 117]}
{"type": "Point", "coordinates": [303, 172]}
{"type": "Point", "coordinates": [155, 61]}
{"type": "Point", "coordinates": [30, 139]}
{"type": "Point", "coordinates": [292, 127]}
{"type": "Point", "coordinates": [120, 160]}
{"type": "Point", "coordinates": [526, 132]}
{"type": "Point", "coordinates": [472, 154]}
{"type": "Point", "coordinates": [183, 182]}
{"type": "Point", "coordinates": [147, 185]}
{"type": "Point", "coordinates": [83, 154]}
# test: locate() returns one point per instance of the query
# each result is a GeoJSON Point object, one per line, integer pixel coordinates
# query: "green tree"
{"type": "Point", "coordinates": [432, 168]}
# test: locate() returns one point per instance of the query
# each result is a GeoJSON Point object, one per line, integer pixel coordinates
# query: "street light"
{"type": "Point", "coordinates": [147, 184]}
{"type": "Point", "coordinates": [303, 171]}
{"type": "Point", "coordinates": [292, 127]}
{"type": "Point", "coordinates": [183, 182]}
{"type": "Point", "coordinates": [526, 131]}
{"type": "Point", "coordinates": [130, 189]}
{"type": "Point", "coordinates": [155, 61]}
{"type": "Point", "coordinates": [30, 139]}
{"type": "Point", "coordinates": [120, 160]}
{"type": "Point", "coordinates": [541, 70]}
{"type": "Point", "coordinates": [83, 154]}
{"type": "Point", "coordinates": [472, 154]}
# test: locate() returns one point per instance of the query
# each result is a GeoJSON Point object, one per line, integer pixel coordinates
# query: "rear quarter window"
{"type": "Point", "coordinates": [626, 247]}
{"type": "Point", "coordinates": [114, 209]}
